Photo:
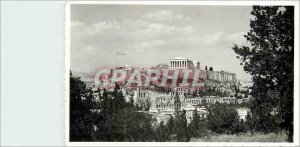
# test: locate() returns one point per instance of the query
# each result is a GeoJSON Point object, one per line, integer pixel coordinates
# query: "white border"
{"type": "Point", "coordinates": [67, 70]}
{"type": "Point", "coordinates": [236, 3]}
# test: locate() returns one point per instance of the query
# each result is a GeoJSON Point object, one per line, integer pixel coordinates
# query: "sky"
{"type": "Point", "coordinates": [147, 35]}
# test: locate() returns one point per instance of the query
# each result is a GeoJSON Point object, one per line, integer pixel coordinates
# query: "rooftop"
{"type": "Point", "coordinates": [179, 58]}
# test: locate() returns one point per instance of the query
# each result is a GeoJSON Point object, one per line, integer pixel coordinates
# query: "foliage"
{"type": "Point", "coordinates": [181, 129]}
{"type": "Point", "coordinates": [171, 126]}
{"type": "Point", "coordinates": [110, 119]}
{"type": "Point", "coordinates": [270, 61]}
{"type": "Point", "coordinates": [161, 133]}
{"type": "Point", "coordinates": [197, 126]}
{"type": "Point", "coordinates": [223, 118]}
{"type": "Point", "coordinates": [81, 123]}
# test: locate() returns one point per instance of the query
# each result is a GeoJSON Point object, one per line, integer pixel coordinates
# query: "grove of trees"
{"type": "Point", "coordinates": [113, 119]}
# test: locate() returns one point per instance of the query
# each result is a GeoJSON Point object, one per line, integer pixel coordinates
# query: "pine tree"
{"type": "Point", "coordinates": [177, 104]}
{"type": "Point", "coordinates": [171, 126]}
{"type": "Point", "coordinates": [182, 133]}
{"type": "Point", "coordinates": [161, 132]}
{"type": "Point", "coordinates": [194, 125]}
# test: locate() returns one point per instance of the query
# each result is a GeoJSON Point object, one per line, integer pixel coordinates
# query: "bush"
{"type": "Point", "coordinates": [223, 118]}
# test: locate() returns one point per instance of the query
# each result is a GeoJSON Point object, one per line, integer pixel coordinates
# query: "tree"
{"type": "Point", "coordinates": [223, 118]}
{"type": "Point", "coordinates": [250, 122]}
{"type": "Point", "coordinates": [270, 61]}
{"type": "Point", "coordinates": [119, 121]}
{"type": "Point", "coordinates": [242, 127]}
{"type": "Point", "coordinates": [81, 124]}
{"type": "Point", "coordinates": [118, 100]}
{"type": "Point", "coordinates": [161, 132]}
{"type": "Point", "coordinates": [171, 126]}
{"type": "Point", "coordinates": [177, 104]}
{"type": "Point", "coordinates": [194, 125]}
{"type": "Point", "coordinates": [211, 69]}
{"type": "Point", "coordinates": [198, 126]}
{"type": "Point", "coordinates": [182, 133]}
{"type": "Point", "coordinates": [110, 119]}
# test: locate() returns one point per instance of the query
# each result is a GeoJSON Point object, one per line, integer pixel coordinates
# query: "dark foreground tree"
{"type": "Point", "coordinates": [182, 133]}
{"type": "Point", "coordinates": [110, 119]}
{"type": "Point", "coordinates": [119, 120]}
{"type": "Point", "coordinates": [270, 61]}
{"type": "Point", "coordinates": [194, 125]}
{"type": "Point", "coordinates": [161, 133]}
{"type": "Point", "coordinates": [81, 123]}
{"type": "Point", "coordinates": [198, 126]}
{"type": "Point", "coordinates": [171, 127]}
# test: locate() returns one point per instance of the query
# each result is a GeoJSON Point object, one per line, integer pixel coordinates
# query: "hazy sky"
{"type": "Point", "coordinates": [145, 35]}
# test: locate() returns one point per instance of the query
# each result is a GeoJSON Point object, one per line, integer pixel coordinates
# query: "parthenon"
{"type": "Point", "coordinates": [178, 62]}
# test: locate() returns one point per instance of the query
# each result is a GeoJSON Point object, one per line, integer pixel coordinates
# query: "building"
{"type": "Point", "coordinates": [243, 112]}
{"type": "Point", "coordinates": [179, 62]}
{"type": "Point", "coordinates": [189, 112]}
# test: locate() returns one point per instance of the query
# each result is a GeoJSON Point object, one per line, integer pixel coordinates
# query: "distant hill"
{"type": "Point", "coordinates": [82, 74]}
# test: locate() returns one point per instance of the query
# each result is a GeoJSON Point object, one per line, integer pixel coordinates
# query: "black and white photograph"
{"type": "Point", "coordinates": [184, 72]}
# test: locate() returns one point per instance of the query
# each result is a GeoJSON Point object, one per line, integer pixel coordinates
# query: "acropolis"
{"type": "Point", "coordinates": [160, 99]}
